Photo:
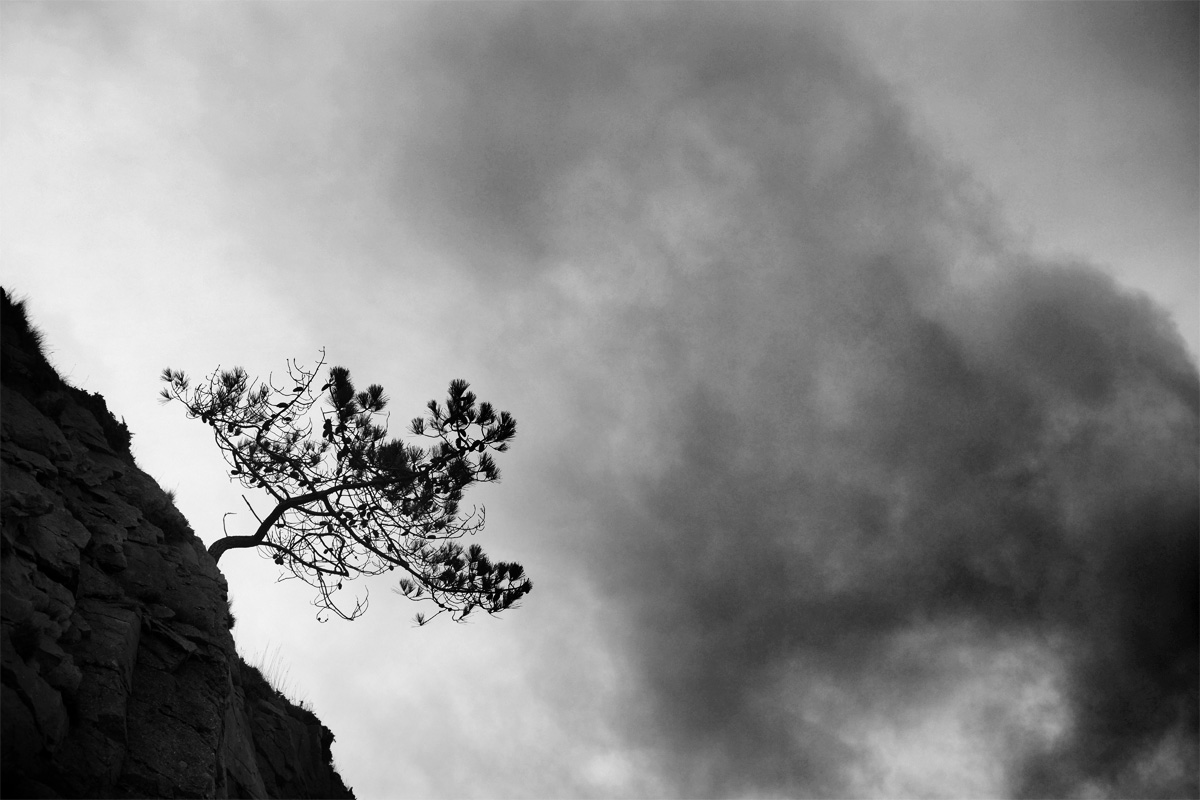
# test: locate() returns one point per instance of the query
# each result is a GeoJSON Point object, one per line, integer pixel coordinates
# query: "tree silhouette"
{"type": "Point", "coordinates": [348, 501]}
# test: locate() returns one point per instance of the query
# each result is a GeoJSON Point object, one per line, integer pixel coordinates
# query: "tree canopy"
{"type": "Point", "coordinates": [349, 501]}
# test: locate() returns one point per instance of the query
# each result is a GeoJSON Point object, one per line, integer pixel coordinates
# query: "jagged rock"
{"type": "Point", "coordinates": [55, 539]}
{"type": "Point", "coordinates": [20, 493]}
{"type": "Point", "coordinates": [79, 424]}
{"type": "Point", "coordinates": [26, 427]}
{"type": "Point", "coordinates": [41, 699]}
{"type": "Point", "coordinates": [117, 667]}
{"type": "Point", "coordinates": [28, 461]}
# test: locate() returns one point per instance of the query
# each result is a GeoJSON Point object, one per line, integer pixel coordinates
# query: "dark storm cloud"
{"type": "Point", "coordinates": [1052, 497]}
{"type": "Point", "coordinates": [844, 415]}
{"type": "Point", "coordinates": [509, 110]}
{"type": "Point", "coordinates": [1155, 43]}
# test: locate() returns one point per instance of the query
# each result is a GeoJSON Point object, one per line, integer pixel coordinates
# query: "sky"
{"type": "Point", "coordinates": [853, 350]}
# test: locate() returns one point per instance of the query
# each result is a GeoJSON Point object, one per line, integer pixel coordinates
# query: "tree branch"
{"type": "Point", "coordinates": [217, 548]}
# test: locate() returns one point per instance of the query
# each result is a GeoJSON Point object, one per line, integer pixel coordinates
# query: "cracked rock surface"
{"type": "Point", "coordinates": [118, 670]}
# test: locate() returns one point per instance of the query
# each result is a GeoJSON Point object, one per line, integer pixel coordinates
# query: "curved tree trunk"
{"type": "Point", "coordinates": [232, 542]}
{"type": "Point", "coordinates": [217, 548]}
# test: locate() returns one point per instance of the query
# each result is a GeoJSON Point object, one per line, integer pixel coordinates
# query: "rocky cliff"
{"type": "Point", "coordinates": [120, 677]}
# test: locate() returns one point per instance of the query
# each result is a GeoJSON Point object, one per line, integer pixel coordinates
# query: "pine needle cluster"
{"type": "Point", "coordinates": [347, 500]}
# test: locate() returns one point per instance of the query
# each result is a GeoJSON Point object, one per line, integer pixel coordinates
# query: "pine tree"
{"type": "Point", "coordinates": [348, 501]}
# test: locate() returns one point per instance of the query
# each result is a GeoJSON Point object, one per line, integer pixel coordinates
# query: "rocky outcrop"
{"type": "Point", "coordinates": [119, 673]}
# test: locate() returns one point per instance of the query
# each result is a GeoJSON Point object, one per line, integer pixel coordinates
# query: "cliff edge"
{"type": "Point", "coordinates": [119, 672]}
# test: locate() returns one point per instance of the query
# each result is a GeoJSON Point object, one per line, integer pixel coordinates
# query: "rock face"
{"type": "Point", "coordinates": [120, 677]}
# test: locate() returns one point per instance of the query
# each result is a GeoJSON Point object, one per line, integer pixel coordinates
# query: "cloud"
{"type": "Point", "coordinates": [854, 451]}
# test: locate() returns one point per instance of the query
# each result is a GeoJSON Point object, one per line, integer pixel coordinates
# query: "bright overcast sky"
{"type": "Point", "coordinates": [852, 349]}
